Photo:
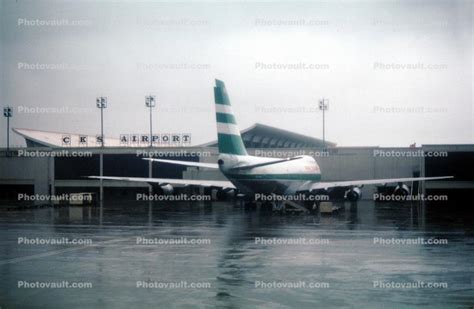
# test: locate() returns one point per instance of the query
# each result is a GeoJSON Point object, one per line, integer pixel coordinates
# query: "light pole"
{"type": "Point", "coordinates": [323, 106]}
{"type": "Point", "coordinates": [101, 103]}
{"type": "Point", "coordinates": [7, 112]}
{"type": "Point", "coordinates": [150, 101]}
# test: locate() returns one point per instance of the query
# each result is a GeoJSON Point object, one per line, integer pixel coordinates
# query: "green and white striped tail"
{"type": "Point", "coordinates": [228, 134]}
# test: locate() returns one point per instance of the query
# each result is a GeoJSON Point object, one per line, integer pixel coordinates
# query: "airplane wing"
{"type": "Point", "coordinates": [216, 166]}
{"type": "Point", "coordinates": [354, 183]}
{"type": "Point", "coordinates": [187, 163]}
{"type": "Point", "coordinates": [180, 182]}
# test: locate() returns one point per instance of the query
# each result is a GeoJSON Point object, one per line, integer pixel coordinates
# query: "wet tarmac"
{"type": "Point", "coordinates": [131, 255]}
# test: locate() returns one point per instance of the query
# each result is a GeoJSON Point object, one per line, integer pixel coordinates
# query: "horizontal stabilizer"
{"type": "Point", "coordinates": [248, 167]}
{"type": "Point", "coordinates": [177, 182]}
{"type": "Point", "coordinates": [187, 163]}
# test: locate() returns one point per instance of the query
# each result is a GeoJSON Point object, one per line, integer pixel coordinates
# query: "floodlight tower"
{"type": "Point", "coordinates": [150, 102]}
{"type": "Point", "coordinates": [8, 113]}
{"type": "Point", "coordinates": [101, 103]}
{"type": "Point", "coordinates": [324, 106]}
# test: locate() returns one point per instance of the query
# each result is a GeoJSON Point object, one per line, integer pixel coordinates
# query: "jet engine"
{"type": "Point", "coordinates": [230, 193]}
{"type": "Point", "coordinates": [402, 190]}
{"type": "Point", "coordinates": [225, 194]}
{"type": "Point", "coordinates": [354, 194]}
{"type": "Point", "coordinates": [166, 189]}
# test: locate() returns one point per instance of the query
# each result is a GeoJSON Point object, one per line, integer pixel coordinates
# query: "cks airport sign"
{"type": "Point", "coordinates": [130, 140]}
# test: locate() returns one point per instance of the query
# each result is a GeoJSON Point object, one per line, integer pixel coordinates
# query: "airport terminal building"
{"type": "Point", "coordinates": [54, 162]}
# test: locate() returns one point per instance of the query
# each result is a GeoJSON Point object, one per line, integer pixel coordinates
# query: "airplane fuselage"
{"type": "Point", "coordinates": [279, 178]}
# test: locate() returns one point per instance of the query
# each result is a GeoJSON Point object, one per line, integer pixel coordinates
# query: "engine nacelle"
{"type": "Point", "coordinates": [230, 194]}
{"type": "Point", "coordinates": [354, 194]}
{"type": "Point", "coordinates": [401, 190]}
{"type": "Point", "coordinates": [166, 189]}
{"type": "Point", "coordinates": [224, 194]}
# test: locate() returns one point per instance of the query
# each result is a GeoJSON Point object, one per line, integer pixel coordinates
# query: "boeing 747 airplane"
{"type": "Point", "coordinates": [263, 175]}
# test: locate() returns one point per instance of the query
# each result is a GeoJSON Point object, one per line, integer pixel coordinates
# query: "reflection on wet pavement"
{"type": "Point", "coordinates": [187, 255]}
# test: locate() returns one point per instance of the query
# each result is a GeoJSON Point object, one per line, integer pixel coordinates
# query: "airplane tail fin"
{"type": "Point", "coordinates": [228, 134]}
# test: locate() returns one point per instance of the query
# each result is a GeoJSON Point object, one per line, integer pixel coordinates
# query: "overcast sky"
{"type": "Point", "coordinates": [395, 72]}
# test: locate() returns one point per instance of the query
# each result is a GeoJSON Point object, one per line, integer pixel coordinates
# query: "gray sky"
{"type": "Point", "coordinates": [395, 72]}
